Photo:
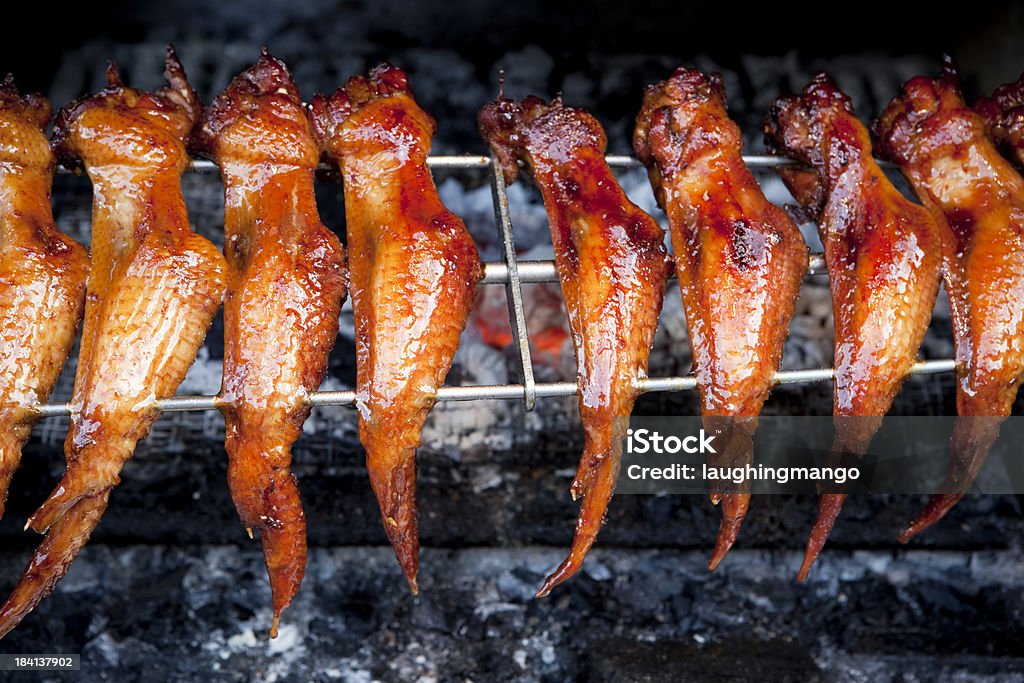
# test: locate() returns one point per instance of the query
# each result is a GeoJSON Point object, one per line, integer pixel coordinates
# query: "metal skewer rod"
{"type": "Point", "coordinates": [466, 161]}
{"type": "Point", "coordinates": [511, 391]}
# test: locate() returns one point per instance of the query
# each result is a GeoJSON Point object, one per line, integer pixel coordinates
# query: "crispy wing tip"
{"type": "Point", "coordinates": [268, 75]}
{"type": "Point", "coordinates": [74, 487]}
{"type": "Point", "coordinates": [51, 511]}
{"type": "Point", "coordinates": [686, 91]}
{"type": "Point", "coordinates": [791, 124]}
{"type": "Point", "coordinates": [283, 533]}
{"type": "Point", "coordinates": [395, 489]}
{"type": "Point", "coordinates": [32, 106]}
{"type": "Point", "coordinates": [113, 75]}
{"type": "Point", "coordinates": [407, 553]}
{"type": "Point", "coordinates": [586, 534]}
{"type": "Point", "coordinates": [903, 116]}
{"type": "Point", "coordinates": [919, 99]}
{"type": "Point", "coordinates": [404, 540]}
{"type": "Point", "coordinates": [499, 123]}
{"type": "Point", "coordinates": [684, 87]}
{"type": "Point", "coordinates": [596, 497]}
{"type": "Point", "coordinates": [51, 560]}
{"type": "Point", "coordinates": [671, 110]}
{"type": "Point", "coordinates": [243, 97]}
{"type": "Point", "coordinates": [274, 624]}
{"type": "Point", "coordinates": [829, 506]}
{"type": "Point", "coordinates": [937, 507]}
{"type": "Point", "coordinates": [569, 568]}
{"type": "Point", "coordinates": [507, 124]}
{"type": "Point", "coordinates": [1003, 114]}
{"type": "Point", "coordinates": [388, 79]}
{"type": "Point", "coordinates": [178, 88]}
{"type": "Point", "coordinates": [177, 94]}
{"type": "Point", "coordinates": [582, 542]}
{"type": "Point", "coordinates": [734, 509]}
{"type": "Point", "coordinates": [329, 112]}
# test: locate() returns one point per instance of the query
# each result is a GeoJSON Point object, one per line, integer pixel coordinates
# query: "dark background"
{"type": "Point", "coordinates": [170, 590]}
{"type": "Point", "coordinates": [983, 34]}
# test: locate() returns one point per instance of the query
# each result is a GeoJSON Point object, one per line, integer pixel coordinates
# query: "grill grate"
{"type": "Point", "coordinates": [512, 273]}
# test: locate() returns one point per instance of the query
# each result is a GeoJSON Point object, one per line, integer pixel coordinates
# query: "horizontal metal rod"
{"type": "Point", "coordinates": [496, 273]}
{"type": "Point", "coordinates": [440, 161]}
{"type": "Point", "coordinates": [751, 160]}
{"type": "Point", "coordinates": [511, 391]}
{"type": "Point", "coordinates": [462, 161]}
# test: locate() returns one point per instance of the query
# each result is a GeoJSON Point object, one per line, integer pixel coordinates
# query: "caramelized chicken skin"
{"type": "Point", "coordinates": [286, 283]}
{"type": "Point", "coordinates": [740, 261]}
{"type": "Point", "coordinates": [612, 265]}
{"type": "Point", "coordinates": [942, 146]}
{"type": "Point", "coordinates": [883, 254]}
{"type": "Point", "coordinates": [1003, 114]}
{"type": "Point", "coordinates": [42, 276]}
{"type": "Point", "coordinates": [153, 289]}
{"type": "Point", "coordinates": [414, 270]}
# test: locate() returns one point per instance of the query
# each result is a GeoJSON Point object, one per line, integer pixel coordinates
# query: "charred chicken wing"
{"type": "Point", "coordinates": [42, 276]}
{"type": "Point", "coordinates": [883, 254]}
{"type": "Point", "coordinates": [977, 197]}
{"type": "Point", "coordinates": [153, 289]}
{"type": "Point", "coordinates": [612, 265]}
{"type": "Point", "coordinates": [414, 271]}
{"type": "Point", "coordinates": [286, 283]}
{"type": "Point", "coordinates": [1003, 114]}
{"type": "Point", "coordinates": [740, 261]}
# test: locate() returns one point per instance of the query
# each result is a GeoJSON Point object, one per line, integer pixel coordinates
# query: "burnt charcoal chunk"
{"type": "Point", "coordinates": [674, 661]}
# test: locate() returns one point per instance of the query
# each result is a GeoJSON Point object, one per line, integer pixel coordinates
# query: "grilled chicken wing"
{"type": "Point", "coordinates": [1003, 114]}
{"type": "Point", "coordinates": [612, 264]}
{"type": "Point", "coordinates": [978, 198]}
{"type": "Point", "coordinates": [740, 261]}
{"type": "Point", "coordinates": [883, 255]}
{"type": "Point", "coordinates": [286, 283]}
{"type": "Point", "coordinates": [153, 289]}
{"type": "Point", "coordinates": [42, 276]}
{"type": "Point", "coordinates": [414, 271]}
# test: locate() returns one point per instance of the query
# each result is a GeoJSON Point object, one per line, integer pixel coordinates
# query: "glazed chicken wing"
{"type": "Point", "coordinates": [42, 276]}
{"type": "Point", "coordinates": [978, 198]}
{"type": "Point", "coordinates": [414, 270]}
{"type": "Point", "coordinates": [883, 254]}
{"type": "Point", "coordinates": [612, 265]}
{"type": "Point", "coordinates": [154, 287]}
{"type": "Point", "coordinates": [740, 261]}
{"type": "Point", "coordinates": [286, 283]}
{"type": "Point", "coordinates": [1003, 114]}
